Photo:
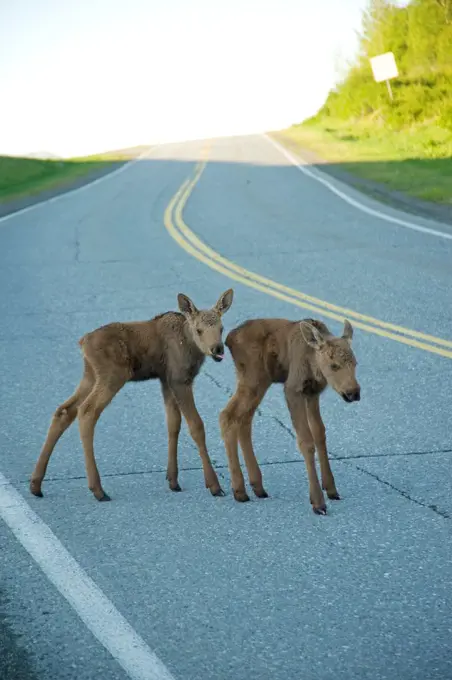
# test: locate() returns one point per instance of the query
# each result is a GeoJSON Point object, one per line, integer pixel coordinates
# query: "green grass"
{"type": "Point", "coordinates": [21, 177]}
{"type": "Point", "coordinates": [415, 160]}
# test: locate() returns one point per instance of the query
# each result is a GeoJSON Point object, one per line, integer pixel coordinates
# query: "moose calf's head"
{"type": "Point", "coordinates": [335, 359]}
{"type": "Point", "coordinates": [205, 324]}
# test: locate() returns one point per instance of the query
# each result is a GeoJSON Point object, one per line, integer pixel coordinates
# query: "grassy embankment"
{"type": "Point", "coordinates": [20, 177]}
{"type": "Point", "coordinates": [416, 161]}
{"type": "Point", "coordinates": [404, 144]}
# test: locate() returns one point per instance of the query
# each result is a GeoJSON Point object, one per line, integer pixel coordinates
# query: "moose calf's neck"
{"type": "Point", "coordinates": [305, 375]}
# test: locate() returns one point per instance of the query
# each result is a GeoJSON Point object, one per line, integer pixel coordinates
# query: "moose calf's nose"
{"type": "Point", "coordinates": [355, 395]}
{"type": "Point", "coordinates": [218, 349]}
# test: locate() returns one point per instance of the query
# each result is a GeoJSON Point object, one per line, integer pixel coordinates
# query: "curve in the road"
{"type": "Point", "coordinates": [192, 244]}
{"type": "Point", "coordinates": [357, 204]}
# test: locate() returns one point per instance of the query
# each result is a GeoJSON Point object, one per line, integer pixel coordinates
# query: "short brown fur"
{"type": "Point", "coordinates": [170, 347]}
{"type": "Point", "coordinates": [305, 357]}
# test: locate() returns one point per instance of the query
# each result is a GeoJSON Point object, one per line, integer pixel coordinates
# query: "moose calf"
{"type": "Point", "coordinates": [170, 347]}
{"type": "Point", "coordinates": [305, 357]}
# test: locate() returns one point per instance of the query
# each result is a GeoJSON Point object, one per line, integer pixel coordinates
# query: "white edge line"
{"type": "Point", "coordinates": [348, 199]}
{"type": "Point", "coordinates": [96, 611]}
{"type": "Point", "coordinates": [84, 187]}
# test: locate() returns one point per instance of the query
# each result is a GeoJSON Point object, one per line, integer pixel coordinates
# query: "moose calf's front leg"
{"type": "Point", "coordinates": [88, 414]}
{"type": "Point", "coordinates": [186, 402]}
{"type": "Point", "coordinates": [173, 421]}
{"type": "Point", "coordinates": [318, 432]}
{"type": "Point", "coordinates": [298, 412]}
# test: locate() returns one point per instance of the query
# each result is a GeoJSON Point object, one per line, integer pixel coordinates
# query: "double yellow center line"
{"type": "Point", "coordinates": [193, 245]}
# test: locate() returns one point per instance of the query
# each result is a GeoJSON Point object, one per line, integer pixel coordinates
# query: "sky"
{"type": "Point", "coordinates": [94, 75]}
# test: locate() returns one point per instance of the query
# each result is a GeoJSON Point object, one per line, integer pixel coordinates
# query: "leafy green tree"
{"type": "Point", "coordinates": [420, 36]}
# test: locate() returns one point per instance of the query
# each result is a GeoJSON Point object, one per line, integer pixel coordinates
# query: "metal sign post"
{"type": "Point", "coordinates": [388, 85]}
{"type": "Point", "coordinates": [384, 67]}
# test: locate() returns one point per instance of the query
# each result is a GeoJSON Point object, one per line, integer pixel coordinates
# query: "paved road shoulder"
{"type": "Point", "coordinates": [15, 663]}
{"type": "Point", "coordinates": [396, 199]}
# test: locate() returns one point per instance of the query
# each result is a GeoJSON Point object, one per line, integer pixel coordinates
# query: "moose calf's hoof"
{"type": "Point", "coordinates": [101, 496]}
{"type": "Point", "coordinates": [217, 491]}
{"type": "Point", "coordinates": [319, 509]}
{"type": "Point", "coordinates": [175, 487]}
{"type": "Point", "coordinates": [35, 489]}
{"type": "Point", "coordinates": [260, 492]}
{"type": "Point", "coordinates": [333, 496]}
{"type": "Point", "coordinates": [38, 494]}
{"type": "Point", "coordinates": [241, 496]}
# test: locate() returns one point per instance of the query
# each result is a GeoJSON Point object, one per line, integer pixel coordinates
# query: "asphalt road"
{"type": "Point", "coordinates": [218, 590]}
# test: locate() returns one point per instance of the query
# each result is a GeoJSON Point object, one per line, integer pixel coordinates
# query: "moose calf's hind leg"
{"type": "Point", "coordinates": [88, 415]}
{"type": "Point", "coordinates": [63, 417]}
{"type": "Point", "coordinates": [229, 433]}
{"type": "Point", "coordinates": [236, 421]}
{"type": "Point", "coordinates": [254, 473]}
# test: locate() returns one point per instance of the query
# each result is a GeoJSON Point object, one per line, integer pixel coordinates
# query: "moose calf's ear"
{"type": "Point", "coordinates": [311, 335]}
{"type": "Point", "coordinates": [186, 306]}
{"type": "Point", "coordinates": [224, 301]}
{"type": "Point", "coordinates": [348, 331]}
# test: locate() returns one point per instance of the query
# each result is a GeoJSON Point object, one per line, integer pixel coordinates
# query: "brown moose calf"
{"type": "Point", "coordinates": [305, 357]}
{"type": "Point", "coordinates": [170, 347]}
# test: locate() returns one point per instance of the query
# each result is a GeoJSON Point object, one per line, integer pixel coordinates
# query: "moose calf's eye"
{"type": "Point", "coordinates": [199, 331]}
{"type": "Point", "coordinates": [335, 367]}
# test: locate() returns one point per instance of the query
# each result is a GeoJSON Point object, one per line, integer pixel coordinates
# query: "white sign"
{"type": "Point", "coordinates": [384, 67]}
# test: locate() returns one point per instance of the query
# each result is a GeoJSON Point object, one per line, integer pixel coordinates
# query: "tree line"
{"type": "Point", "coordinates": [420, 36]}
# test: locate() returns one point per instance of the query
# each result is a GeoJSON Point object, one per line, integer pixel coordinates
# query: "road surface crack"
{"type": "Point", "coordinates": [358, 456]}
{"type": "Point", "coordinates": [405, 494]}
{"type": "Point", "coordinates": [288, 430]}
{"type": "Point", "coordinates": [220, 467]}
{"type": "Point", "coordinates": [77, 243]}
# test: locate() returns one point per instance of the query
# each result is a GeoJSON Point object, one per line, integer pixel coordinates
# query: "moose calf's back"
{"type": "Point", "coordinates": [145, 349]}
{"type": "Point", "coordinates": [267, 346]}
